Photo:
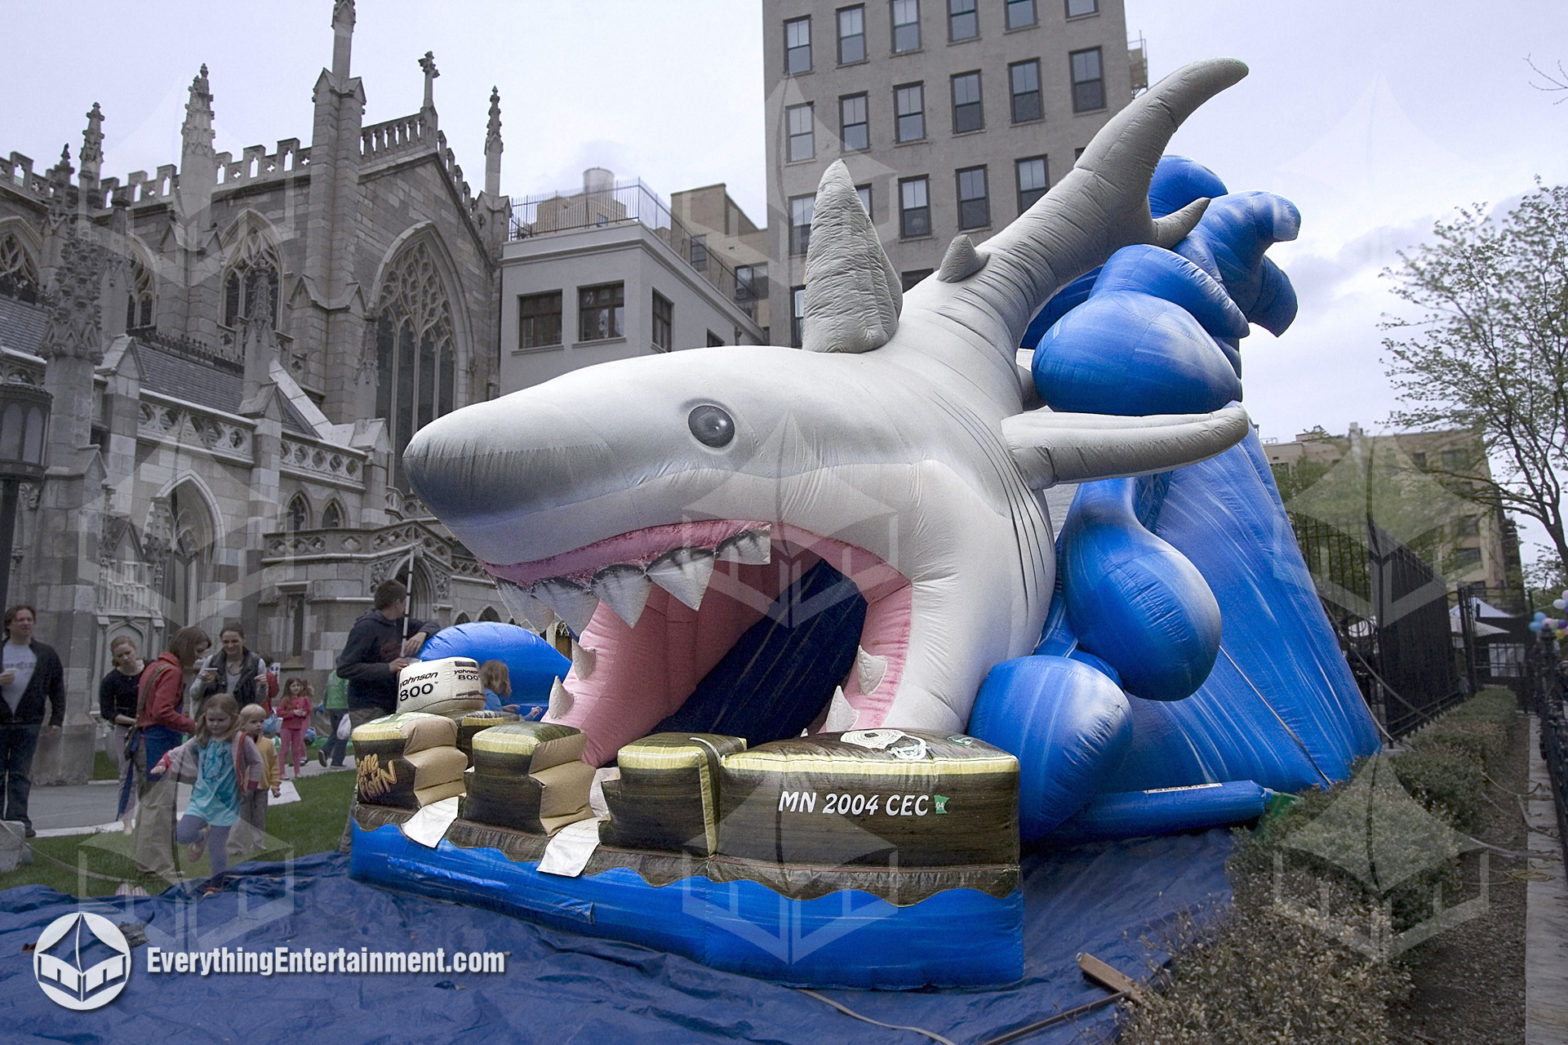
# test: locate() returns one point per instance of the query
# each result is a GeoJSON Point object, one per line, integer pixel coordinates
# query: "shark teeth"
{"type": "Point", "coordinates": [684, 573]}
{"type": "Point", "coordinates": [560, 700]}
{"type": "Point", "coordinates": [752, 548]}
{"type": "Point", "coordinates": [869, 669]}
{"type": "Point", "coordinates": [523, 607]}
{"type": "Point", "coordinates": [583, 659]}
{"type": "Point", "coordinates": [573, 603]}
{"type": "Point", "coordinates": [624, 587]}
{"type": "Point", "coordinates": [625, 590]}
{"type": "Point", "coordinates": [841, 715]}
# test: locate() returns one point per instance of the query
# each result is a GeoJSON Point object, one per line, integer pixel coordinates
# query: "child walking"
{"type": "Point", "coordinates": [294, 709]}
{"type": "Point", "coordinates": [246, 838]}
{"type": "Point", "coordinates": [227, 765]}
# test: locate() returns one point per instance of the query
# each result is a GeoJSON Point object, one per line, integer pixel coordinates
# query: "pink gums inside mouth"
{"type": "Point", "coordinates": [643, 672]}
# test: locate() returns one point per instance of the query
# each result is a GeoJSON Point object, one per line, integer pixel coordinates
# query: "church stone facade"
{"type": "Point", "coordinates": [238, 348]}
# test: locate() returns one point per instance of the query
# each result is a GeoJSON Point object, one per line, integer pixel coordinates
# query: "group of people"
{"type": "Point", "coordinates": [221, 701]}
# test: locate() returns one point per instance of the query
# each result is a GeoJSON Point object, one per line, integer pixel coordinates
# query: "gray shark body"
{"type": "Point", "coordinates": [658, 505]}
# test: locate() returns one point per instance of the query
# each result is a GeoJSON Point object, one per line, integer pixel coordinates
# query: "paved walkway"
{"type": "Point", "coordinates": [1546, 910]}
{"type": "Point", "coordinates": [84, 809]}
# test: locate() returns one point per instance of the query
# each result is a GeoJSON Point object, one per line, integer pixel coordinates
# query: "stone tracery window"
{"type": "Point", "coordinates": [415, 352]}
{"type": "Point", "coordinates": [18, 271]}
{"type": "Point", "coordinates": [139, 298]}
{"type": "Point", "coordinates": [298, 514]}
{"type": "Point", "coordinates": [331, 516]}
{"type": "Point", "coordinates": [250, 285]}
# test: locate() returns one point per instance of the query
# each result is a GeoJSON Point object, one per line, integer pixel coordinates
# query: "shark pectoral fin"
{"type": "Point", "coordinates": [1052, 448]}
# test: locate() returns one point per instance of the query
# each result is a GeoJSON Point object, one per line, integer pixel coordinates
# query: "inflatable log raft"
{"type": "Point", "coordinates": [878, 858]}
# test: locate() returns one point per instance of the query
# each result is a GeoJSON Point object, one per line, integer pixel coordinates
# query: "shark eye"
{"type": "Point", "coordinates": [711, 425]}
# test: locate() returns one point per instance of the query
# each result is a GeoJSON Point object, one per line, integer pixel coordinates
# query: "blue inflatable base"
{"type": "Point", "coordinates": [848, 939]}
{"type": "Point", "coordinates": [568, 988]}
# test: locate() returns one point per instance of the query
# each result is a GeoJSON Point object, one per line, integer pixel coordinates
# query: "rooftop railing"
{"type": "Point", "coordinates": [631, 201]}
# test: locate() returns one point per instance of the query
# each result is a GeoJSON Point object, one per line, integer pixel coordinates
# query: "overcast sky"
{"type": "Point", "coordinates": [1375, 118]}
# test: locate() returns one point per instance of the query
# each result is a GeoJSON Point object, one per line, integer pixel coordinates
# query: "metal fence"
{"type": "Point", "coordinates": [1547, 699]}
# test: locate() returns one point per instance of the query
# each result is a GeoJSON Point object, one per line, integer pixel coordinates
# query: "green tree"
{"type": "Point", "coordinates": [1487, 350]}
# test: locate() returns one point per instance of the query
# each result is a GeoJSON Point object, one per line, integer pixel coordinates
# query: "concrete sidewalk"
{"type": "Point", "coordinates": [84, 809]}
{"type": "Point", "coordinates": [1546, 909]}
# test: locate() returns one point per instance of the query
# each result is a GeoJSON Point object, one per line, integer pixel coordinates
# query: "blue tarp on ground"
{"type": "Point", "coordinates": [564, 988]}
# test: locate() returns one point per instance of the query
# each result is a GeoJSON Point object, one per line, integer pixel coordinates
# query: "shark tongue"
{"type": "Point", "coordinates": [774, 681]}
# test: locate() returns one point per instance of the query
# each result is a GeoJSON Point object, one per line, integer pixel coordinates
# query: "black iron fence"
{"type": "Point", "coordinates": [1550, 685]}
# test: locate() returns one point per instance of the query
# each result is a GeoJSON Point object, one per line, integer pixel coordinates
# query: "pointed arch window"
{"type": "Point", "coordinates": [298, 513]}
{"type": "Point", "coordinates": [415, 354]}
{"type": "Point", "coordinates": [18, 271]}
{"type": "Point", "coordinates": [332, 516]}
{"type": "Point", "coordinates": [139, 298]}
{"type": "Point", "coordinates": [251, 283]}
{"type": "Point", "coordinates": [189, 563]}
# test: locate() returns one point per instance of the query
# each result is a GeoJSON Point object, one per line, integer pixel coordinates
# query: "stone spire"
{"type": "Point", "coordinates": [342, 38]}
{"type": "Point", "coordinates": [493, 146]}
{"type": "Point", "coordinates": [198, 162]}
{"type": "Point", "coordinates": [92, 147]}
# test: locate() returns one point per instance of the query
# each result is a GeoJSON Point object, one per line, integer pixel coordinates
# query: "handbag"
{"type": "Point", "coordinates": [345, 728]}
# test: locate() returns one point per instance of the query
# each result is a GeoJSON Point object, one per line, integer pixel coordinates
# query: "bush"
{"type": "Point", "coordinates": [1494, 704]}
{"type": "Point", "coordinates": [1264, 977]}
{"type": "Point", "coordinates": [1480, 740]}
{"type": "Point", "coordinates": [1447, 781]}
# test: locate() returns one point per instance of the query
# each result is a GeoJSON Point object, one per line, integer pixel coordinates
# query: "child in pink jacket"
{"type": "Point", "coordinates": [294, 711]}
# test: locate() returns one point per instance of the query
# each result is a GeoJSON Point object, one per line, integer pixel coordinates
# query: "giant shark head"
{"type": "Point", "coordinates": [659, 506]}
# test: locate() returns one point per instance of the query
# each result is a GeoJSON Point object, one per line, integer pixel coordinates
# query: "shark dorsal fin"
{"type": "Point", "coordinates": [852, 293]}
{"type": "Point", "coordinates": [961, 261]}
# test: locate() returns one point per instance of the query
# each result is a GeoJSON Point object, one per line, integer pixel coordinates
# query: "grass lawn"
{"type": "Point", "coordinates": [93, 865]}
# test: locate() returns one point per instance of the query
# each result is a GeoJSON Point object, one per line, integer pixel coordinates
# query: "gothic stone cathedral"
{"type": "Point", "coordinates": [238, 349]}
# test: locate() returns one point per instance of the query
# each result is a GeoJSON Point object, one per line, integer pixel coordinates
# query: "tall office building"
{"type": "Point", "coordinates": [952, 116]}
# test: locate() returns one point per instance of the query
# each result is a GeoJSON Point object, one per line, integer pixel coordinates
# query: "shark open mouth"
{"type": "Point", "coordinates": [743, 627]}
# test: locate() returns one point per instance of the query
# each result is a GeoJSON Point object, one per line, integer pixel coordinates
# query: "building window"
{"type": "Point", "coordinates": [962, 22]}
{"type": "Point", "coordinates": [601, 312]}
{"type": "Point", "coordinates": [851, 34]}
{"type": "Point", "coordinates": [854, 125]}
{"type": "Point", "coordinates": [714, 340]}
{"type": "Point", "coordinates": [1033, 180]}
{"type": "Point", "coordinates": [1020, 13]}
{"type": "Point", "coordinates": [864, 192]}
{"type": "Point", "coordinates": [1088, 80]}
{"type": "Point", "coordinates": [250, 288]}
{"type": "Point", "coordinates": [294, 611]}
{"type": "Point", "coordinates": [909, 110]}
{"type": "Point", "coordinates": [801, 146]}
{"type": "Point", "coordinates": [907, 280]}
{"type": "Point", "coordinates": [1468, 558]}
{"type": "Point", "coordinates": [332, 516]}
{"type": "Point", "coordinates": [967, 114]}
{"type": "Point", "coordinates": [1467, 526]}
{"type": "Point", "coordinates": [539, 319]}
{"type": "Point", "coordinates": [416, 356]}
{"type": "Point", "coordinates": [1025, 78]}
{"type": "Point", "coordinates": [974, 205]}
{"type": "Point", "coordinates": [138, 300]}
{"type": "Point", "coordinates": [1455, 460]}
{"type": "Point", "coordinates": [663, 322]}
{"type": "Point", "coordinates": [800, 208]}
{"type": "Point", "coordinates": [751, 282]}
{"type": "Point", "coordinates": [1079, 8]}
{"type": "Point", "coordinates": [699, 253]}
{"type": "Point", "coordinates": [18, 271]}
{"type": "Point", "coordinates": [797, 46]}
{"type": "Point", "coordinates": [797, 314]}
{"type": "Point", "coordinates": [298, 514]}
{"type": "Point", "coordinates": [906, 26]}
{"type": "Point", "coordinates": [914, 211]}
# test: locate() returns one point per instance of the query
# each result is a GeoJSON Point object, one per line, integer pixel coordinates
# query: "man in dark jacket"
{"type": "Point", "coordinates": [379, 646]}
{"type": "Point", "coordinates": [30, 673]}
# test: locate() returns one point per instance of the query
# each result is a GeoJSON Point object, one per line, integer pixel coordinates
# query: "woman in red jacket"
{"type": "Point", "coordinates": [159, 720]}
